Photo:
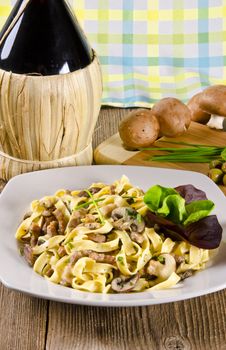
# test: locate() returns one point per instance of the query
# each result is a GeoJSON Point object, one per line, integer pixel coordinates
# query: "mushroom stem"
{"type": "Point", "coordinates": [217, 122]}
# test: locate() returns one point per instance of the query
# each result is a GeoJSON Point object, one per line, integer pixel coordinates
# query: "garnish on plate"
{"type": "Point", "coordinates": [183, 213]}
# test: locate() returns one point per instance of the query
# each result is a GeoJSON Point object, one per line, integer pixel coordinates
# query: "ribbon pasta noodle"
{"type": "Point", "coordinates": [97, 240]}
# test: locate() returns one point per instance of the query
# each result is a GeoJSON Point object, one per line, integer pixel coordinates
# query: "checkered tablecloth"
{"type": "Point", "coordinates": [151, 49]}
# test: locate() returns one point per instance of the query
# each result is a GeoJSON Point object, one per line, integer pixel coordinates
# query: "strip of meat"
{"type": "Point", "coordinates": [47, 221]}
{"type": "Point", "coordinates": [35, 229]}
{"type": "Point", "coordinates": [61, 251]}
{"type": "Point", "coordinates": [61, 220]}
{"type": "Point", "coordinates": [52, 229]}
{"type": "Point", "coordinates": [28, 254]}
{"type": "Point", "coordinates": [104, 258]}
{"type": "Point", "coordinates": [95, 237]}
{"type": "Point", "coordinates": [76, 218]}
{"type": "Point", "coordinates": [99, 257]}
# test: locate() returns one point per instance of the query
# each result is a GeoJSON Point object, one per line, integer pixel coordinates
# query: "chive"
{"type": "Point", "coordinates": [83, 205]}
{"type": "Point", "coordinates": [223, 154]}
{"type": "Point", "coordinates": [131, 212]}
{"type": "Point", "coordinates": [161, 259]}
{"type": "Point", "coordinates": [187, 144]}
{"type": "Point", "coordinates": [96, 206]}
{"type": "Point", "coordinates": [70, 245]}
{"type": "Point", "coordinates": [139, 218]}
{"type": "Point", "coordinates": [193, 154]}
{"type": "Point", "coordinates": [120, 260]}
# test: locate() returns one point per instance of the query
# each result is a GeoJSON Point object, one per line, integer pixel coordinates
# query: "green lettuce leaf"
{"type": "Point", "coordinates": [155, 196]}
{"type": "Point", "coordinates": [168, 203]}
{"type": "Point", "coordinates": [173, 207]}
{"type": "Point", "coordinates": [198, 210]}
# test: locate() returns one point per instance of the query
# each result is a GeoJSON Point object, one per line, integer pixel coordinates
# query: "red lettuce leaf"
{"type": "Point", "coordinates": [190, 193]}
{"type": "Point", "coordinates": [205, 233]}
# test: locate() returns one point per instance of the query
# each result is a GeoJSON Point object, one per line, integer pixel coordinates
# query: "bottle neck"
{"type": "Point", "coordinates": [42, 37]}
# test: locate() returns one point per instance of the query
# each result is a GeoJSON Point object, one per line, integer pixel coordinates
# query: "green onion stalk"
{"type": "Point", "coordinates": [192, 153]}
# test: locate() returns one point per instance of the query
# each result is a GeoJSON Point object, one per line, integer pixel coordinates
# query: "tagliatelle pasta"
{"type": "Point", "coordinates": [97, 240]}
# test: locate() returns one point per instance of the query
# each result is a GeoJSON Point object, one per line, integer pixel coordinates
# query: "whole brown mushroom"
{"type": "Point", "coordinates": [213, 101]}
{"type": "Point", "coordinates": [197, 114]}
{"type": "Point", "coordinates": [139, 129]}
{"type": "Point", "coordinates": [173, 115]}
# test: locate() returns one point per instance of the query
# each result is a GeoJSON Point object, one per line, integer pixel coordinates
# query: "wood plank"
{"type": "Point", "coordinates": [111, 151]}
{"type": "Point", "coordinates": [23, 321]}
{"type": "Point", "coordinates": [197, 323]}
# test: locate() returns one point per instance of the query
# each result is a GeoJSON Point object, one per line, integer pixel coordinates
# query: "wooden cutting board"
{"type": "Point", "coordinates": [111, 151]}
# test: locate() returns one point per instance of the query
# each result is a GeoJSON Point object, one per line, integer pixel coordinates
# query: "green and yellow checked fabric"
{"type": "Point", "coordinates": [151, 49]}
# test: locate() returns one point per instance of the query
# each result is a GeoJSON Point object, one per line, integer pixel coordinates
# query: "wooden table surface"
{"type": "Point", "coordinates": [28, 323]}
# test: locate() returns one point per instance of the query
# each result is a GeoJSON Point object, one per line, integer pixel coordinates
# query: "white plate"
{"type": "Point", "coordinates": [21, 190]}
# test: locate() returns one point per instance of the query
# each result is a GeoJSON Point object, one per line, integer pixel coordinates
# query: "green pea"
{"type": "Point", "coordinates": [216, 175]}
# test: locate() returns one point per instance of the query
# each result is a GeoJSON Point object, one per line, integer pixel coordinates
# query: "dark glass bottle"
{"type": "Point", "coordinates": [45, 40]}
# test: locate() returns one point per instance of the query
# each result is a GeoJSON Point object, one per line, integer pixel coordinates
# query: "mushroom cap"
{"type": "Point", "coordinates": [139, 129]}
{"type": "Point", "coordinates": [162, 271]}
{"type": "Point", "coordinates": [197, 114]}
{"type": "Point", "coordinates": [124, 284]}
{"type": "Point", "coordinates": [213, 100]}
{"type": "Point", "coordinates": [173, 115]}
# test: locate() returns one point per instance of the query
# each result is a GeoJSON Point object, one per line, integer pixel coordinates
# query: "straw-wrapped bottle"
{"type": "Point", "coordinates": [50, 89]}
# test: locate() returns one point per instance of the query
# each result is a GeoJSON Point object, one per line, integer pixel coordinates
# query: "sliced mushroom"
{"type": "Point", "coordinates": [137, 237]}
{"type": "Point", "coordinates": [186, 274]}
{"type": "Point", "coordinates": [120, 213]}
{"type": "Point", "coordinates": [162, 270]}
{"type": "Point", "coordinates": [124, 284]}
{"type": "Point", "coordinates": [126, 218]}
{"type": "Point", "coordinates": [106, 210]}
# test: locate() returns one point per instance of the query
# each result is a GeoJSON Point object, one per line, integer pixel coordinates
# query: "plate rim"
{"type": "Point", "coordinates": [110, 303]}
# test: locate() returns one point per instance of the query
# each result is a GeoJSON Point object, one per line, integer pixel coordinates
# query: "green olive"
{"type": "Point", "coordinates": [216, 163]}
{"type": "Point", "coordinates": [216, 175]}
{"type": "Point", "coordinates": [223, 168]}
{"type": "Point", "coordinates": [224, 180]}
